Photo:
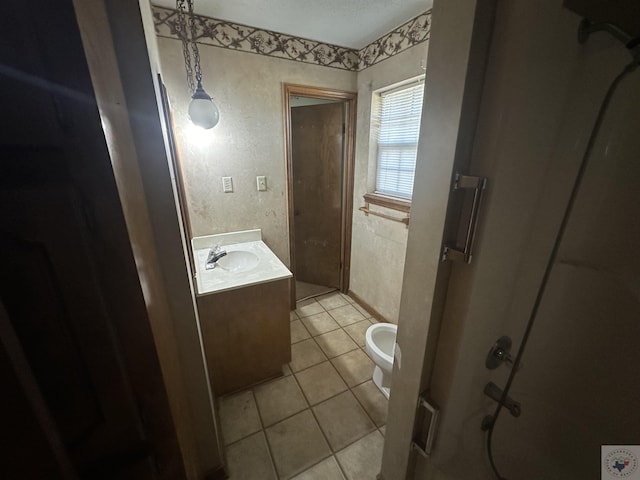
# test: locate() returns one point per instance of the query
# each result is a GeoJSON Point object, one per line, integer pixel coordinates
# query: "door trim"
{"type": "Point", "coordinates": [456, 65]}
{"type": "Point", "coordinates": [349, 99]}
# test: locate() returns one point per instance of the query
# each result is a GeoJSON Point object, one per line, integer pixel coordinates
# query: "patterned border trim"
{"type": "Point", "coordinates": [220, 33]}
{"type": "Point", "coordinates": [407, 35]}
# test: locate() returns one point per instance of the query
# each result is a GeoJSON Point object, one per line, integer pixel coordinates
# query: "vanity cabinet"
{"type": "Point", "coordinates": [246, 334]}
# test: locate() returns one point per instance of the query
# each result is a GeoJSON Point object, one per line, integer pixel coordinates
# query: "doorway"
{"type": "Point", "coordinates": [319, 130]}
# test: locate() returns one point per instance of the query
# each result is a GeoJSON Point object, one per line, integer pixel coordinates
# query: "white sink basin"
{"type": "Point", "coordinates": [249, 261]}
{"type": "Point", "coordinates": [238, 261]}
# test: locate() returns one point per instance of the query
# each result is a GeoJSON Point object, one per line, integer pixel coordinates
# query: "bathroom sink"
{"type": "Point", "coordinates": [238, 261]}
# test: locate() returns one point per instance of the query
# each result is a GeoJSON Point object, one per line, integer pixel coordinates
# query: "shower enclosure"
{"type": "Point", "coordinates": [578, 386]}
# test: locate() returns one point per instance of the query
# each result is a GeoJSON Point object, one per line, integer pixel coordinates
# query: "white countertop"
{"type": "Point", "coordinates": [219, 279]}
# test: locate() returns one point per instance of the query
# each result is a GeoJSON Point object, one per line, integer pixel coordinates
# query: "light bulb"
{"type": "Point", "coordinates": [202, 111]}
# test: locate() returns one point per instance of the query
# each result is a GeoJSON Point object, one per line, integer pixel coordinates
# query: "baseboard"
{"type": "Point", "coordinates": [372, 311]}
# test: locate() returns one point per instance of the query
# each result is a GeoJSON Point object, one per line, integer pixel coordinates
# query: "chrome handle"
{"type": "Point", "coordinates": [500, 353]}
{"type": "Point", "coordinates": [464, 252]}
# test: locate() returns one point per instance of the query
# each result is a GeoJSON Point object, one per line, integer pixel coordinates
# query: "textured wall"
{"type": "Point", "coordinates": [541, 94]}
{"type": "Point", "coordinates": [248, 141]}
{"type": "Point", "coordinates": [379, 245]}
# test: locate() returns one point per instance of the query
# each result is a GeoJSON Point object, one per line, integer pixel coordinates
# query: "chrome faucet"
{"type": "Point", "coordinates": [215, 254]}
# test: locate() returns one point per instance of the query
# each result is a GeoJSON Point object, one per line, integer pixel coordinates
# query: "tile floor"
{"type": "Point", "coordinates": [324, 419]}
{"type": "Point", "coordinates": [307, 290]}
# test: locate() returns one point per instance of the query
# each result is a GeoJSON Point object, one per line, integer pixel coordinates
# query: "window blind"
{"type": "Point", "coordinates": [399, 113]}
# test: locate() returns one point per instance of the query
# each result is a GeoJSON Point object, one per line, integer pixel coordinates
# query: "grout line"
{"type": "Point", "coordinates": [320, 461]}
{"type": "Point", "coordinates": [315, 295]}
{"type": "Point", "coordinates": [317, 423]}
{"type": "Point", "coordinates": [309, 406]}
{"type": "Point", "coordinates": [266, 437]}
{"type": "Point", "coordinates": [349, 389]}
{"type": "Point", "coordinates": [311, 366]}
{"type": "Point", "coordinates": [336, 320]}
{"type": "Point", "coordinates": [365, 410]}
{"type": "Point", "coordinates": [340, 467]}
{"type": "Point", "coordinates": [304, 328]}
{"type": "Point", "coordinates": [264, 434]}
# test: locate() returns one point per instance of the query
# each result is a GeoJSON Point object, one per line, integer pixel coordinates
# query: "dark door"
{"type": "Point", "coordinates": [82, 392]}
{"type": "Point", "coordinates": [317, 134]}
{"type": "Point", "coordinates": [57, 314]}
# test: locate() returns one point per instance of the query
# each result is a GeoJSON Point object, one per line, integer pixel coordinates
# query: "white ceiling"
{"type": "Point", "coordinates": [348, 23]}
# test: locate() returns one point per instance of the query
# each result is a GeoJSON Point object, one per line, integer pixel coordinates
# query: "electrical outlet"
{"type": "Point", "coordinates": [227, 184]}
{"type": "Point", "coordinates": [261, 182]}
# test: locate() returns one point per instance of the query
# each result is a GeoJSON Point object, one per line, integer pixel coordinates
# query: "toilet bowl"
{"type": "Point", "coordinates": [380, 342]}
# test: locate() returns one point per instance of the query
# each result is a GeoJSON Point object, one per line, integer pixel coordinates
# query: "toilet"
{"type": "Point", "coordinates": [380, 342]}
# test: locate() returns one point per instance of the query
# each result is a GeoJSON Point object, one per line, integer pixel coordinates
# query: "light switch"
{"type": "Point", "coordinates": [262, 183]}
{"type": "Point", "coordinates": [227, 184]}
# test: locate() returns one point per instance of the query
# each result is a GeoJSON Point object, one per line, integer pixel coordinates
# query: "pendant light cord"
{"type": "Point", "coordinates": [188, 32]}
{"type": "Point", "coordinates": [554, 253]}
{"type": "Point", "coordinates": [194, 46]}
{"type": "Point", "coordinates": [181, 29]}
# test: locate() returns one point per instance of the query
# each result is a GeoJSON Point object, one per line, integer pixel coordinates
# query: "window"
{"type": "Point", "coordinates": [396, 116]}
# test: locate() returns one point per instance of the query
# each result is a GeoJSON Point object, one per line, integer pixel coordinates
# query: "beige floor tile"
{"type": "Point", "coordinates": [279, 399]}
{"type": "Point", "coordinates": [293, 315]}
{"type": "Point", "coordinates": [320, 382]}
{"type": "Point", "coordinates": [296, 444]}
{"type": "Point", "coordinates": [354, 367]}
{"type": "Point", "coordinates": [238, 416]}
{"type": "Point", "coordinates": [346, 315]}
{"type": "Point", "coordinates": [383, 430]}
{"type": "Point", "coordinates": [348, 298]}
{"type": "Point", "coordinates": [309, 307]}
{"type": "Point", "coordinates": [362, 310]}
{"type": "Point", "coordinates": [306, 290]}
{"type": "Point", "coordinates": [249, 459]}
{"type": "Point", "coordinates": [332, 300]}
{"type": "Point", "coordinates": [358, 330]}
{"type": "Point", "coordinates": [362, 459]}
{"type": "Point", "coordinates": [336, 343]}
{"type": "Point", "coordinates": [286, 370]}
{"type": "Point", "coordinates": [325, 470]}
{"type": "Point", "coordinates": [305, 354]}
{"type": "Point", "coordinates": [298, 332]}
{"type": "Point", "coordinates": [343, 420]}
{"type": "Point", "coordinates": [373, 401]}
{"type": "Point", "coordinates": [320, 323]}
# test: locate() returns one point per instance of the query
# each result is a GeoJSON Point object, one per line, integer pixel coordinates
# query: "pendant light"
{"type": "Point", "coordinates": [202, 111]}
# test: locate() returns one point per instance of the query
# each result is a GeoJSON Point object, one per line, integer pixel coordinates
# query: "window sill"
{"type": "Point", "coordinates": [393, 203]}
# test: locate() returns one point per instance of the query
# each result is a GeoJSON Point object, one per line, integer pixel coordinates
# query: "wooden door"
{"type": "Point", "coordinates": [317, 141]}
{"type": "Point", "coordinates": [57, 314]}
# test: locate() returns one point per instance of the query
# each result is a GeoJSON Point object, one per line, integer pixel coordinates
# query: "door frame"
{"type": "Point", "coordinates": [349, 99]}
{"type": "Point", "coordinates": [453, 86]}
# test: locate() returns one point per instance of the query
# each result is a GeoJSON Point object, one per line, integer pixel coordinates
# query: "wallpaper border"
{"type": "Point", "coordinates": [234, 36]}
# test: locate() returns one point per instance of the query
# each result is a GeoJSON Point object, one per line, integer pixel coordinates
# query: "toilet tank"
{"type": "Point", "coordinates": [623, 13]}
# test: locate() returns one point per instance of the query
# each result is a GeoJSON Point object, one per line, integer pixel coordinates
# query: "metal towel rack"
{"type": "Point", "coordinates": [368, 211]}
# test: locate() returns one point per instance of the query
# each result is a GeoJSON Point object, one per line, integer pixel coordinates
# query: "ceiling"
{"type": "Point", "coordinates": [348, 23]}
